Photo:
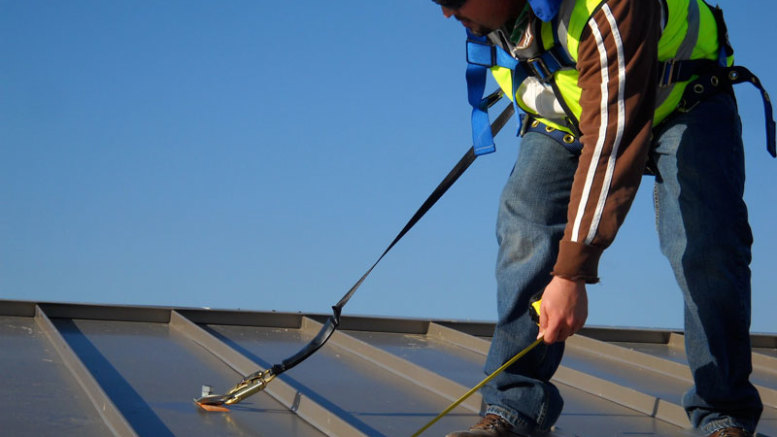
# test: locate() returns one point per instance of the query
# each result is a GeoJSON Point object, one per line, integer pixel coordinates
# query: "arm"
{"type": "Point", "coordinates": [617, 64]}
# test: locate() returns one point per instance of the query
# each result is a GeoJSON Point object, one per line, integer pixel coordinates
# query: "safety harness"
{"type": "Point", "coordinates": [714, 77]}
{"type": "Point", "coordinates": [482, 55]}
{"type": "Point", "coordinates": [711, 77]}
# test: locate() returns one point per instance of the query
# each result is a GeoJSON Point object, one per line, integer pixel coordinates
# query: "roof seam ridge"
{"type": "Point", "coordinates": [113, 418]}
{"type": "Point", "coordinates": [634, 399]}
{"type": "Point", "coordinates": [634, 358]}
{"type": "Point", "coordinates": [459, 338]}
{"type": "Point", "coordinates": [403, 368]}
{"type": "Point", "coordinates": [309, 410]}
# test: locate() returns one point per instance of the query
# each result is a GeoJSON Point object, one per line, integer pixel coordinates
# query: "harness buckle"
{"type": "Point", "coordinates": [480, 53]}
{"type": "Point", "coordinates": [491, 99]}
{"type": "Point", "coordinates": [667, 76]}
{"type": "Point", "coordinates": [539, 69]}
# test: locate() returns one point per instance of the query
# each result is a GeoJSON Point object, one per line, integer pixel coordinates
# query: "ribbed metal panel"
{"type": "Point", "coordinates": [100, 370]}
{"type": "Point", "coordinates": [40, 396]}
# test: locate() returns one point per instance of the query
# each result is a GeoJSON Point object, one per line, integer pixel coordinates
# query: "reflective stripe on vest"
{"type": "Point", "coordinates": [689, 33]}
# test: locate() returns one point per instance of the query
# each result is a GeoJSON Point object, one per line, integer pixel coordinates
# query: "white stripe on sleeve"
{"type": "Point", "coordinates": [604, 119]}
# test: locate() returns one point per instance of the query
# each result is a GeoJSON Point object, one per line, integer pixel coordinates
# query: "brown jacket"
{"type": "Point", "coordinates": [617, 64]}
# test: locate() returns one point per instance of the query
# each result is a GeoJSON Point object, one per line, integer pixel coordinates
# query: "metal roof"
{"type": "Point", "coordinates": [93, 370]}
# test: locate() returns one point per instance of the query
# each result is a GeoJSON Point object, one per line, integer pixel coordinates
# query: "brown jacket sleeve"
{"type": "Point", "coordinates": [617, 61]}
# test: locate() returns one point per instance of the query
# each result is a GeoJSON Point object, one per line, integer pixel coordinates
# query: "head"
{"type": "Point", "coordinates": [482, 16]}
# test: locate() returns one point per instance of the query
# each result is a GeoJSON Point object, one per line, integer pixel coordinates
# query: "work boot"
{"type": "Point", "coordinates": [489, 426]}
{"type": "Point", "coordinates": [731, 432]}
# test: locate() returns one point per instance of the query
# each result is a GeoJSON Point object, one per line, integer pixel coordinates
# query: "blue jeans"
{"type": "Point", "coordinates": [703, 231]}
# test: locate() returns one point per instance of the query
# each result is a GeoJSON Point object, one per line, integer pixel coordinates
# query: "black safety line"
{"type": "Point", "coordinates": [334, 320]}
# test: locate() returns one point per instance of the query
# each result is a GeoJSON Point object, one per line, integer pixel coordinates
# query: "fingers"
{"type": "Point", "coordinates": [556, 332]}
{"type": "Point", "coordinates": [555, 328]}
{"type": "Point", "coordinates": [564, 309]}
{"type": "Point", "coordinates": [552, 328]}
{"type": "Point", "coordinates": [543, 321]}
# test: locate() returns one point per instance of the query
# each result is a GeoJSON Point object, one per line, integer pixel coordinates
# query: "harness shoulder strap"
{"type": "Point", "coordinates": [482, 55]}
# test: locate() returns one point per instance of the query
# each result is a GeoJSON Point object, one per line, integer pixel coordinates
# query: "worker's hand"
{"type": "Point", "coordinates": [563, 310]}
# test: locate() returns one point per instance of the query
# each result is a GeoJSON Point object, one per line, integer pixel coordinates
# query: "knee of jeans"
{"type": "Point", "coordinates": [526, 253]}
{"type": "Point", "coordinates": [530, 215]}
{"type": "Point", "coordinates": [723, 254]}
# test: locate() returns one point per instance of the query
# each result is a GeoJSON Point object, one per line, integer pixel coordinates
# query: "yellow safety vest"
{"type": "Point", "coordinates": [690, 32]}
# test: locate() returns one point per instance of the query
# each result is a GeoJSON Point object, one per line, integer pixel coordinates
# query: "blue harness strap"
{"type": "Point", "coordinates": [481, 56]}
{"type": "Point", "coordinates": [482, 139]}
{"type": "Point", "coordinates": [569, 141]}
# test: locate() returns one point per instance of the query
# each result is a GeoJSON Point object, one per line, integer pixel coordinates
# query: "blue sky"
{"type": "Point", "coordinates": [260, 155]}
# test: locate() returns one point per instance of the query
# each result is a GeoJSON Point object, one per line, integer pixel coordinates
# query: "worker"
{"type": "Point", "coordinates": [610, 90]}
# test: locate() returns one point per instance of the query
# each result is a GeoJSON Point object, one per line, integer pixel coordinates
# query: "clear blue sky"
{"type": "Point", "coordinates": [260, 155]}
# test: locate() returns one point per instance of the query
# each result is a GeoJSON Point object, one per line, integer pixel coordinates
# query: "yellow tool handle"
{"type": "Point", "coordinates": [536, 307]}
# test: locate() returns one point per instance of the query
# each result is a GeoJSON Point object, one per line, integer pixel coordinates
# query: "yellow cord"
{"type": "Point", "coordinates": [458, 401]}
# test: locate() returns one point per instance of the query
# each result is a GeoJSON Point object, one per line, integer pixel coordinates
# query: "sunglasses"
{"type": "Point", "coordinates": [451, 4]}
